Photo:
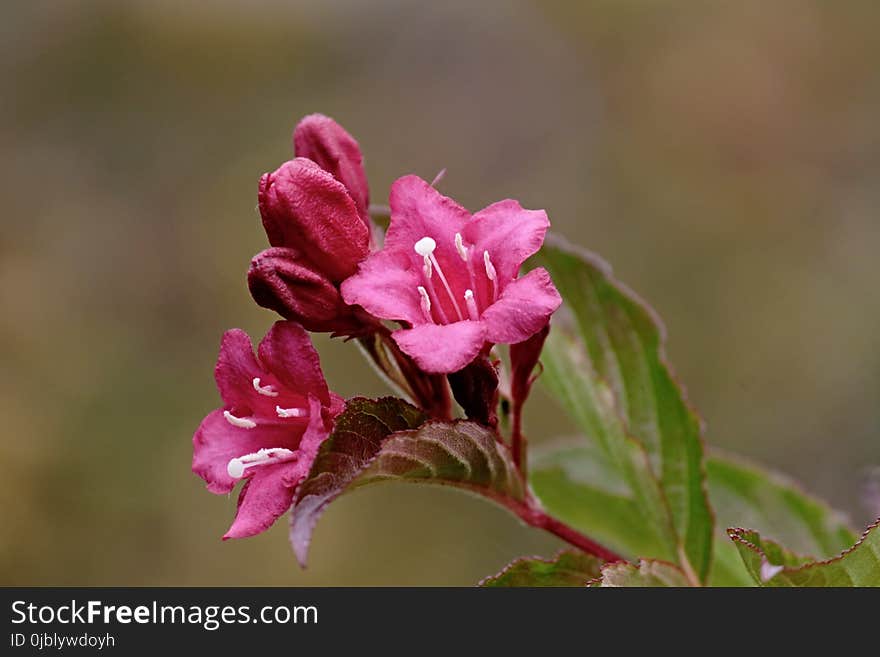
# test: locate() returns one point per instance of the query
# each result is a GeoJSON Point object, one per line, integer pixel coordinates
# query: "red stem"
{"type": "Point", "coordinates": [517, 440]}
{"type": "Point", "coordinates": [534, 516]}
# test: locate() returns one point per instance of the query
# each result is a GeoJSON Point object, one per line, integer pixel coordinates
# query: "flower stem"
{"type": "Point", "coordinates": [518, 440]}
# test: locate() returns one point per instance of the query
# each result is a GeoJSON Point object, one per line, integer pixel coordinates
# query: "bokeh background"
{"type": "Point", "coordinates": [725, 157]}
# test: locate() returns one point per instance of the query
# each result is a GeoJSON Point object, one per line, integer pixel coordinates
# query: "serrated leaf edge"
{"type": "Point", "coordinates": [519, 560]}
{"type": "Point", "coordinates": [736, 535]}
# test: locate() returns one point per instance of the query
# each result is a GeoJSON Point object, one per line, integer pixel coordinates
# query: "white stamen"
{"type": "Point", "coordinates": [236, 467]}
{"type": "Point", "coordinates": [459, 246]}
{"type": "Point", "coordinates": [491, 274]}
{"type": "Point", "coordinates": [471, 305]}
{"type": "Point", "coordinates": [425, 246]}
{"type": "Point", "coordinates": [291, 412]}
{"type": "Point", "coordinates": [440, 175]}
{"type": "Point", "coordinates": [490, 268]}
{"type": "Point", "coordinates": [426, 303]}
{"type": "Point", "coordinates": [269, 391]}
{"type": "Point", "coordinates": [427, 267]}
{"type": "Point", "coordinates": [240, 422]}
{"type": "Point", "coordinates": [446, 285]}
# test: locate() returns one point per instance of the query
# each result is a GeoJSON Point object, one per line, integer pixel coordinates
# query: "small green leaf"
{"type": "Point", "coordinates": [568, 568]}
{"type": "Point", "coordinates": [648, 573]}
{"type": "Point", "coordinates": [576, 484]}
{"type": "Point", "coordinates": [770, 564]}
{"type": "Point", "coordinates": [356, 439]}
{"type": "Point", "coordinates": [605, 362]}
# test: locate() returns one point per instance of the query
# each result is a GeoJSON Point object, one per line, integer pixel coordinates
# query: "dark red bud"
{"type": "Point", "coordinates": [327, 143]}
{"type": "Point", "coordinates": [281, 280]}
{"type": "Point", "coordinates": [305, 208]}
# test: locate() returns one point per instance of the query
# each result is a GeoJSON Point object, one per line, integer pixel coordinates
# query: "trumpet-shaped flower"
{"type": "Point", "coordinates": [277, 410]}
{"type": "Point", "coordinates": [452, 277]}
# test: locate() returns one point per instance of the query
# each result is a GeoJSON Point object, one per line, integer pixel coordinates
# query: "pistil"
{"type": "Point", "coordinates": [425, 248]}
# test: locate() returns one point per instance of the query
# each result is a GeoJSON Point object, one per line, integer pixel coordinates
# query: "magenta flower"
{"type": "Point", "coordinates": [276, 412]}
{"type": "Point", "coordinates": [451, 277]}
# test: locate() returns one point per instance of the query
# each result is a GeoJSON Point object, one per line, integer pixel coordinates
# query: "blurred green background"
{"type": "Point", "coordinates": [724, 157]}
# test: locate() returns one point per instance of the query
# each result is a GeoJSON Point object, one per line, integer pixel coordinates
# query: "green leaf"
{"type": "Point", "coordinates": [770, 564]}
{"type": "Point", "coordinates": [604, 360]}
{"type": "Point", "coordinates": [389, 439]}
{"type": "Point", "coordinates": [577, 485]}
{"type": "Point", "coordinates": [356, 440]}
{"type": "Point", "coordinates": [747, 495]}
{"type": "Point", "coordinates": [648, 573]}
{"type": "Point", "coordinates": [568, 568]}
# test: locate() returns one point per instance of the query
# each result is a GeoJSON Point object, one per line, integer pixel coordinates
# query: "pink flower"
{"type": "Point", "coordinates": [330, 146]}
{"type": "Point", "coordinates": [451, 277]}
{"type": "Point", "coordinates": [276, 412]}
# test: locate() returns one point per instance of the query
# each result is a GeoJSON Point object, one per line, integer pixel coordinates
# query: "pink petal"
{"type": "Point", "coordinates": [306, 208]}
{"type": "Point", "coordinates": [288, 353]}
{"type": "Point", "coordinates": [325, 142]}
{"type": "Point", "coordinates": [418, 210]}
{"type": "Point", "coordinates": [263, 499]}
{"type": "Point", "coordinates": [236, 369]}
{"type": "Point", "coordinates": [509, 233]}
{"type": "Point", "coordinates": [216, 441]}
{"type": "Point", "coordinates": [523, 309]}
{"type": "Point", "coordinates": [269, 492]}
{"type": "Point", "coordinates": [442, 349]}
{"type": "Point", "coordinates": [386, 285]}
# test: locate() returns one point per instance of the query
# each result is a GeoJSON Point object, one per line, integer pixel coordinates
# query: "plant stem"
{"type": "Point", "coordinates": [518, 440]}
{"type": "Point", "coordinates": [534, 516]}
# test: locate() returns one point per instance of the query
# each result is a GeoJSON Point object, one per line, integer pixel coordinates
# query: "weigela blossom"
{"type": "Point", "coordinates": [452, 277]}
{"type": "Point", "coordinates": [277, 410]}
{"type": "Point", "coordinates": [314, 211]}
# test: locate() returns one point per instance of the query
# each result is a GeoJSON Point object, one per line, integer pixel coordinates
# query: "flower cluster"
{"type": "Point", "coordinates": [446, 280]}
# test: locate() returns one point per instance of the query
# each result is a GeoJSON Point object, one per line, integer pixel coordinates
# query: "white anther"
{"type": "Point", "coordinates": [427, 268]}
{"type": "Point", "coordinates": [459, 246]}
{"type": "Point", "coordinates": [426, 303]}
{"type": "Point", "coordinates": [240, 422]}
{"type": "Point", "coordinates": [291, 412]}
{"type": "Point", "coordinates": [490, 268]}
{"type": "Point", "coordinates": [425, 246]}
{"type": "Point", "coordinates": [269, 391]}
{"type": "Point", "coordinates": [236, 467]}
{"type": "Point", "coordinates": [473, 313]}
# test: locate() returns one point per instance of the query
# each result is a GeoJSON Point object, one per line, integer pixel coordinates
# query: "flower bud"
{"type": "Point", "coordinates": [283, 281]}
{"type": "Point", "coordinates": [305, 208]}
{"type": "Point", "coordinates": [325, 142]}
